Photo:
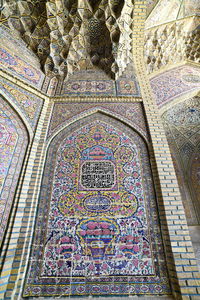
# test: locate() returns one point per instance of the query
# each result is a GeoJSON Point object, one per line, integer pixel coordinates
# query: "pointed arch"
{"type": "Point", "coordinates": [96, 215]}
{"type": "Point", "coordinates": [14, 139]}
{"type": "Point", "coordinates": [17, 111]}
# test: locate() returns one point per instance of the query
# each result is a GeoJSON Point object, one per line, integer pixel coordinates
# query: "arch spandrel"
{"type": "Point", "coordinates": [131, 114]}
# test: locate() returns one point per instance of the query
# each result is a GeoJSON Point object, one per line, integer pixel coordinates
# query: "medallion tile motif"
{"type": "Point", "coordinates": [20, 68]}
{"type": "Point", "coordinates": [121, 87]}
{"type": "Point", "coordinates": [94, 234]}
{"type": "Point", "coordinates": [89, 87]}
{"type": "Point", "coordinates": [128, 88]}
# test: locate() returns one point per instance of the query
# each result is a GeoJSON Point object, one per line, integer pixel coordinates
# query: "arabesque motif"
{"type": "Point", "coordinates": [20, 68]}
{"type": "Point", "coordinates": [13, 143]}
{"type": "Point", "coordinates": [29, 104]}
{"type": "Point", "coordinates": [97, 227]}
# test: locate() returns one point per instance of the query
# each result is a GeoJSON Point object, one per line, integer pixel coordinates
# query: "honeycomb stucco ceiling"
{"type": "Point", "coordinates": [73, 35]}
{"type": "Point", "coordinates": [172, 34]}
{"type": "Point", "coordinates": [68, 36]}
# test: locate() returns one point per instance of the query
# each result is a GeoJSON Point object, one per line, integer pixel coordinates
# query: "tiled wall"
{"type": "Point", "coordinates": [181, 263]}
{"type": "Point", "coordinates": [182, 266]}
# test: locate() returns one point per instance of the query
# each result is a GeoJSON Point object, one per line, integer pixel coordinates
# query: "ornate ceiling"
{"type": "Point", "coordinates": [182, 125]}
{"type": "Point", "coordinates": [172, 33]}
{"type": "Point", "coordinates": [69, 36]}
{"type": "Point", "coordinates": [74, 35]}
{"type": "Point", "coordinates": [164, 11]}
{"type": "Point", "coordinates": [172, 43]}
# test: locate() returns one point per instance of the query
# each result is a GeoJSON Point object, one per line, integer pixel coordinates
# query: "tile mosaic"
{"type": "Point", "coordinates": [28, 103]}
{"type": "Point", "coordinates": [20, 68]}
{"type": "Point", "coordinates": [175, 83]}
{"type": "Point", "coordinates": [89, 87]}
{"type": "Point", "coordinates": [128, 112]}
{"type": "Point", "coordinates": [97, 192]}
{"type": "Point", "coordinates": [13, 143]}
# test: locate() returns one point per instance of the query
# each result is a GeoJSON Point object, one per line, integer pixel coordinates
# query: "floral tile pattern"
{"type": "Point", "coordinates": [121, 87]}
{"type": "Point", "coordinates": [29, 104]}
{"type": "Point", "coordinates": [195, 177]}
{"type": "Point", "coordinates": [89, 87]}
{"type": "Point", "coordinates": [97, 229]}
{"type": "Point", "coordinates": [13, 143]}
{"type": "Point", "coordinates": [174, 83]}
{"type": "Point", "coordinates": [20, 68]}
{"type": "Point", "coordinates": [182, 123]}
{"type": "Point", "coordinates": [128, 112]}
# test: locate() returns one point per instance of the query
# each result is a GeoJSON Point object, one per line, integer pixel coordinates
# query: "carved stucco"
{"type": "Point", "coordinates": [172, 34]}
{"type": "Point", "coordinates": [74, 35]}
